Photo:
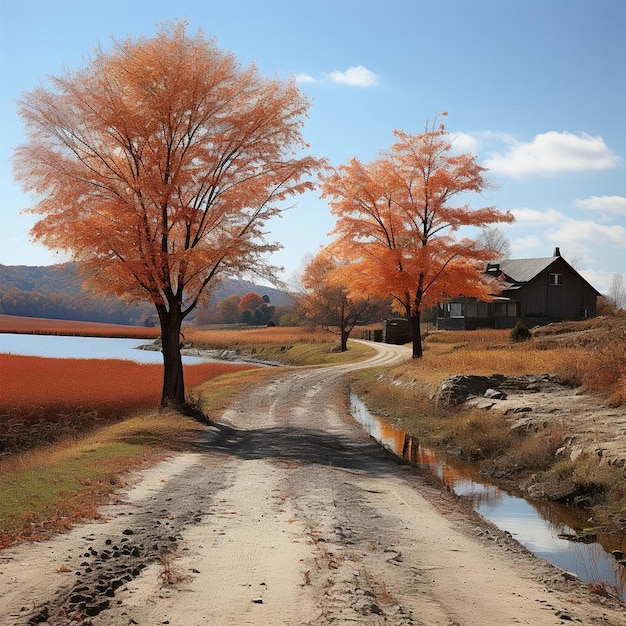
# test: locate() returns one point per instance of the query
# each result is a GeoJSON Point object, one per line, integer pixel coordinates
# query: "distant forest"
{"type": "Point", "coordinates": [56, 292]}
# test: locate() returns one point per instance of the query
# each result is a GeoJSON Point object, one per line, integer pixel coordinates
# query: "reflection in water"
{"type": "Point", "coordinates": [535, 524]}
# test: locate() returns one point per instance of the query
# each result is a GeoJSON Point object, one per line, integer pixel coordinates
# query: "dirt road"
{"type": "Point", "coordinates": [289, 514]}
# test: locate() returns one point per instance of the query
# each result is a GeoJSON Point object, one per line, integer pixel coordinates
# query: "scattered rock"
{"type": "Point", "coordinates": [495, 394]}
{"type": "Point", "coordinates": [459, 389]}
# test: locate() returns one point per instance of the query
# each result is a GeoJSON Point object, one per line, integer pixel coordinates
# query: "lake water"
{"type": "Point", "coordinates": [538, 525]}
{"type": "Point", "coordinates": [62, 347]}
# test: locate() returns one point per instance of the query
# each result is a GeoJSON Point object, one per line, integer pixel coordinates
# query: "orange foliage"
{"type": "Point", "coordinates": [250, 302]}
{"type": "Point", "coordinates": [43, 398]}
{"type": "Point", "coordinates": [159, 162]}
{"type": "Point", "coordinates": [326, 301]}
{"type": "Point", "coordinates": [41, 326]}
{"type": "Point", "coordinates": [397, 223]}
{"type": "Point", "coordinates": [158, 165]}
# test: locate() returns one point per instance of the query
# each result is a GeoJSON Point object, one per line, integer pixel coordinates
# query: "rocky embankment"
{"type": "Point", "coordinates": [589, 427]}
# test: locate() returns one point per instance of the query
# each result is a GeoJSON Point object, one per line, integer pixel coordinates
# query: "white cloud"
{"type": "Point", "coordinates": [524, 247]}
{"type": "Point", "coordinates": [609, 204]}
{"type": "Point", "coordinates": [552, 153]}
{"type": "Point", "coordinates": [465, 142]}
{"type": "Point", "coordinates": [595, 249]}
{"type": "Point", "coordinates": [356, 76]}
{"type": "Point", "coordinates": [305, 78]}
{"type": "Point", "coordinates": [585, 232]}
{"type": "Point", "coordinates": [481, 140]}
{"type": "Point", "coordinates": [535, 217]}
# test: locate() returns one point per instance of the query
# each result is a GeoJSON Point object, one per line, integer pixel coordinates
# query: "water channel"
{"type": "Point", "coordinates": [542, 527]}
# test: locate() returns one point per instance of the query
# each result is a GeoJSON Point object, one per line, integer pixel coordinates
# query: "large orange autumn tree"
{"type": "Point", "coordinates": [398, 223]}
{"type": "Point", "coordinates": [157, 167]}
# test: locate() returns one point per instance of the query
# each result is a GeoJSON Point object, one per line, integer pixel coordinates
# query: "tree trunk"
{"type": "Point", "coordinates": [344, 339]}
{"type": "Point", "coordinates": [173, 393]}
{"type": "Point", "coordinates": [416, 334]}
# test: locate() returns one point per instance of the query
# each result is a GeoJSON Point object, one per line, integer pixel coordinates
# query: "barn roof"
{"type": "Point", "coordinates": [514, 273]}
{"type": "Point", "coordinates": [523, 270]}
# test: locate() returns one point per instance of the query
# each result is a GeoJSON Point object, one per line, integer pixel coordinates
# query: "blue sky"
{"type": "Point", "coordinates": [536, 89]}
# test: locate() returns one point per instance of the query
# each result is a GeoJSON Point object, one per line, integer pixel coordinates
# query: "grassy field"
{"type": "Point", "coordinates": [591, 353]}
{"type": "Point", "coordinates": [48, 489]}
{"type": "Point", "coordinates": [288, 346]}
{"type": "Point", "coordinates": [46, 399]}
{"type": "Point", "coordinates": [70, 429]}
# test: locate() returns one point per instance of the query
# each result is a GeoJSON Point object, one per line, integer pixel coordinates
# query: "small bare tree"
{"type": "Point", "coordinates": [493, 238]}
{"type": "Point", "coordinates": [617, 291]}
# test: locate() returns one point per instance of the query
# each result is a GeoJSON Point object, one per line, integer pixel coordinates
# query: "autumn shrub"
{"type": "Point", "coordinates": [480, 434]}
{"type": "Point", "coordinates": [606, 370]}
{"type": "Point", "coordinates": [599, 364]}
{"type": "Point", "coordinates": [44, 399]}
{"type": "Point", "coordinates": [533, 450]}
{"type": "Point", "coordinates": [519, 333]}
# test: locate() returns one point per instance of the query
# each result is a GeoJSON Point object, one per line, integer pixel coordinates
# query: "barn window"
{"type": "Point", "coordinates": [457, 309]}
{"type": "Point", "coordinates": [556, 279]}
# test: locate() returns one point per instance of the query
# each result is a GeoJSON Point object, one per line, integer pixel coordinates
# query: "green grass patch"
{"type": "Point", "coordinates": [48, 489]}
{"type": "Point", "coordinates": [216, 395]}
{"type": "Point", "coordinates": [308, 353]}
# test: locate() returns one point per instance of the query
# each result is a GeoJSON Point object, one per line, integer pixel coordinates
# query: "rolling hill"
{"type": "Point", "coordinates": [56, 292]}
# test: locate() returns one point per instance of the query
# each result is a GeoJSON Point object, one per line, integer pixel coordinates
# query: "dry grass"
{"type": "Point", "coordinates": [48, 489]}
{"type": "Point", "coordinates": [40, 326]}
{"type": "Point", "coordinates": [591, 353]}
{"type": "Point", "coordinates": [247, 337]}
{"type": "Point", "coordinates": [599, 344]}
{"type": "Point", "coordinates": [288, 346]}
{"type": "Point", "coordinates": [44, 399]}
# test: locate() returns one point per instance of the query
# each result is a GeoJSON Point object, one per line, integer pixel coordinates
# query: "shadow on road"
{"type": "Point", "coordinates": [300, 445]}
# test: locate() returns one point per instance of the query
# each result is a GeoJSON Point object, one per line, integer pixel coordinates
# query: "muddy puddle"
{"type": "Point", "coordinates": [560, 534]}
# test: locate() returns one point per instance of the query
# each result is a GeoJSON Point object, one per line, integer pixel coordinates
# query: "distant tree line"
{"type": "Point", "coordinates": [252, 309]}
{"type": "Point", "coordinates": [56, 292]}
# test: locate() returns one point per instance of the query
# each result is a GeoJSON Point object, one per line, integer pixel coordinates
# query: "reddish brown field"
{"type": "Point", "coordinates": [43, 399]}
{"type": "Point", "coordinates": [41, 326]}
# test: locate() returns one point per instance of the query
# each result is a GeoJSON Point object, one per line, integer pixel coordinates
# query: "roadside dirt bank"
{"type": "Point", "coordinates": [289, 514]}
{"type": "Point", "coordinates": [586, 429]}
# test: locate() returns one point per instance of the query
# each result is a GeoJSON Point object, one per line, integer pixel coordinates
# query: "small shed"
{"type": "Point", "coordinates": [396, 331]}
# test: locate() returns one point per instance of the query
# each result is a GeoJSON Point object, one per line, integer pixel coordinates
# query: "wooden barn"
{"type": "Point", "coordinates": [534, 291]}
